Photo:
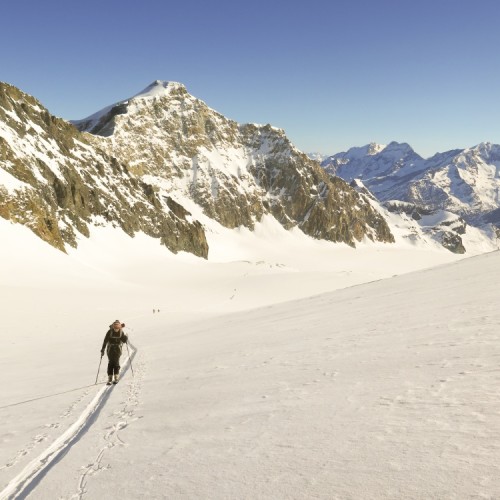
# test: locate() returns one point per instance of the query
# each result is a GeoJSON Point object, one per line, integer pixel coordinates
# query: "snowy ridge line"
{"type": "Point", "coordinates": [26, 480]}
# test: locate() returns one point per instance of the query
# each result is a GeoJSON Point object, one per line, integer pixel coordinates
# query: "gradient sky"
{"type": "Point", "coordinates": [333, 74]}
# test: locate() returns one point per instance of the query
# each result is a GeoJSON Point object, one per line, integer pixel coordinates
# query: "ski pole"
{"type": "Point", "coordinates": [130, 359]}
{"type": "Point", "coordinates": [98, 370]}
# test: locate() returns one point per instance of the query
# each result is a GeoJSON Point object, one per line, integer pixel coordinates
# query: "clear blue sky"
{"type": "Point", "coordinates": [333, 74]}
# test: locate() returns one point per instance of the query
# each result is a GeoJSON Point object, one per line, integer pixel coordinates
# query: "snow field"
{"type": "Point", "coordinates": [385, 390]}
{"type": "Point", "coordinates": [246, 385]}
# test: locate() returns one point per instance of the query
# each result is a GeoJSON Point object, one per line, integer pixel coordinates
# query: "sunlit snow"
{"type": "Point", "coordinates": [269, 371]}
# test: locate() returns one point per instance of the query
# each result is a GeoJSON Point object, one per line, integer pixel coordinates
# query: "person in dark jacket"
{"type": "Point", "coordinates": [114, 339]}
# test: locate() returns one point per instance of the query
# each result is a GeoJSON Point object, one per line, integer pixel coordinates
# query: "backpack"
{"type": "Point", "coordinates": [115, 342]}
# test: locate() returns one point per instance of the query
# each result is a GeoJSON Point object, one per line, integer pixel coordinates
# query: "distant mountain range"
{"type": "Point", "coordinates": [453, 196]}
{"type": "Point", "coordinates": [465, 182]}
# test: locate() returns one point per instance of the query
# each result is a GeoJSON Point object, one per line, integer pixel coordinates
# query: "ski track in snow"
{"type": "Point", "coordinates": [27, 480]}
{"type": "Point", "coordinates": [124, 416]}
{"type": "Point", "coordinates": [41, 437]}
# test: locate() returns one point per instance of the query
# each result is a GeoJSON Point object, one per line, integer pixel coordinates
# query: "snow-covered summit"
{"type": "Point", "coordinates": [397, 150]}
{"type": "Point", "coordinates": [486, 150]}
{"type": "Point", "coordinates": [360, 152]}
{"type": "Point", "coordinates": [159, 88]}
{"type": "Point", "coordinates": [374, 162]}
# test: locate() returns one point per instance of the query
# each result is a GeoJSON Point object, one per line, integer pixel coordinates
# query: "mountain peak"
{"type": "Point", "coordinates": [363, 151]}
{"type": "Point", "coordinates": [98, 123]}
{"type": "Point", "coordinates": [159, 88]}
{"type": "Point", "coordinates": [398, 146]}
{"type": "Point", "coordinates": [373, 148]}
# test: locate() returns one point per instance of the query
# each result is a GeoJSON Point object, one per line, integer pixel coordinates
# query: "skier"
{"type": "Point", "coordinates": [114, 339]}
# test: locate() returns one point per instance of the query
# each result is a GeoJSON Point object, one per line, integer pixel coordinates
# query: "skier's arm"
{"type": "Point", "coordinates": [124, 337]}
{"type": "Point", "coordinates": [106, 339]}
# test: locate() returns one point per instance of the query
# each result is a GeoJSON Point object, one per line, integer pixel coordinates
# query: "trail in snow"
{"type": "Point", "coordinates": [27, 480]}
{"type": "Point", "coordinates": [43, 436]}
{"type": "Point", "coordinates": [125, 416]}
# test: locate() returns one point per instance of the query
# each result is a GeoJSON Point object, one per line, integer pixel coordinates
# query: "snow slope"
{"type": "Point", "coordinates": [245, 384]}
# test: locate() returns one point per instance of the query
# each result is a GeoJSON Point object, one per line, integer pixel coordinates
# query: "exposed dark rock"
{"type": "Point", "coordinates": [401, 207]}
{"type": "Point", "coordinates": [453, 243]}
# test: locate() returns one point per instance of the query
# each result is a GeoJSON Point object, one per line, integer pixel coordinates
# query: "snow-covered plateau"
{"type": "Point", "coordinates": [280, 368]}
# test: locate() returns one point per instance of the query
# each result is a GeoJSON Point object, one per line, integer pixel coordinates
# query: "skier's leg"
{"type": "Point", "coordinates": [117, 369]}
{"type": "Point", "coordinates": [110, 369]}
{"type": "Point", "coordinates": [114, 361]}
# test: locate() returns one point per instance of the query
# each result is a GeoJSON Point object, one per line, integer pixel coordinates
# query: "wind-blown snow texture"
{"type": "Point", "coordinates": [387, 389]}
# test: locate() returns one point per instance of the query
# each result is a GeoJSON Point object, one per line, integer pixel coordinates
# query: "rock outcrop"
{"type": "Point", "coordinates": [444, 227]}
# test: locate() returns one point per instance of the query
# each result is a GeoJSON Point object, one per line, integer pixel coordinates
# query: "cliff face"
{"type": "Point", "coordinates": [235, 173]}
{"type": "Point", "coordinates": [58, 184]}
